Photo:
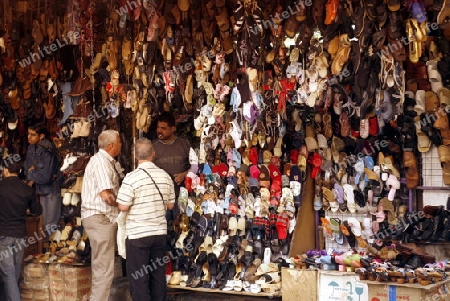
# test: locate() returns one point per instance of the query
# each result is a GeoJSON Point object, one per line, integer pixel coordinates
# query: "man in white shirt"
{"type": "Point", "coordinates": [99, 211]}
{"type": "Point", "coordinates": [146, 193]}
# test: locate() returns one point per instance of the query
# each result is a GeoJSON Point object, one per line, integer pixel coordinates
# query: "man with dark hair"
{"type": "Point", "coordinates": [15, 199]}
{"type": "Point", "coordinates": [172, 154]}
{"type": "Point", "coordinates": [42, 169]}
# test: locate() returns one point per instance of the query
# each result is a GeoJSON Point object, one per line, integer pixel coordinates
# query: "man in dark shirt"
{"type": "Point", "coordinates": [15, 199]}
{"type": "Point", "coordinates": [42, 169]}
{"type": "Point", "coordinates": [172, 155]}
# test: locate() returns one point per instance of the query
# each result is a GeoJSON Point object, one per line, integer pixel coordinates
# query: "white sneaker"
{"type": "Point", "coordinates": [67, 198]}
{"type": "Point", "coordinates": [75, 199]}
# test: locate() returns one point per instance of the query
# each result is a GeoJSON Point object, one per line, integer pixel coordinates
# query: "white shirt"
{"type": "Point", "coordinates": [147, 213]}
{"type": "Point", "coordinates": [101, 173]}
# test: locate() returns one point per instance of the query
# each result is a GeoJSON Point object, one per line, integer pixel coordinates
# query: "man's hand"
{"type": "Point", "coordinates": [30, 183]}
{"type": "Point", "coordinates": [111, 203]}
{"type": "Point", "coordinates": [179, 177]}
{"type": "Point", "coordinates": [108, 197]}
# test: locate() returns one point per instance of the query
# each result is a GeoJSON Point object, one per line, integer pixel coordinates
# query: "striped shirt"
{"type": "Point", "coordinates": [100, 174]}
{"type": "Point", "coordinates": [147, 213]}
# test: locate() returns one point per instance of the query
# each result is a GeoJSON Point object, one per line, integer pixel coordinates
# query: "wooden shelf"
{"type": "Point", "coordinates": [209, 290]}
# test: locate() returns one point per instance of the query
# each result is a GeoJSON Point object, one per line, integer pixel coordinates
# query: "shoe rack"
{"type": "Point", "coordinates": [331, 244]}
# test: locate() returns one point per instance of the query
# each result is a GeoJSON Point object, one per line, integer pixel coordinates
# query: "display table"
{"type": "Point", "coordinates": [218, 291]}
{"type": "Point", "coordinates": [386, 291]}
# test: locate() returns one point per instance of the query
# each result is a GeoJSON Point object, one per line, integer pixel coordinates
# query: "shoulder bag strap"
{"type": "Point", "coordinates": [159, 191]}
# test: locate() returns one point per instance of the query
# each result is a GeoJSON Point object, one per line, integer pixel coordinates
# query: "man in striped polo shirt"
{"type": "Point", "coordinates": [146, 193]}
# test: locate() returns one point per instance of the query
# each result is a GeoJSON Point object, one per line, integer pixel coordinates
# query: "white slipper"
{"type": "Point", "coordinates": [350, 197]}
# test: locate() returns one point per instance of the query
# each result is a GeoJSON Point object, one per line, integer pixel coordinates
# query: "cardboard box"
{"type": "Point", "coordinates": [35, 270]}
{"type": "Point", "coordinates": [77, 295]}
{"type": "Point", "coordinates": [56, 272]}
{"type": "Point", "coordinates": [77, 275]}
{"type": "Point", "coordinates": [56, 294]}
{"type": "Point", "coordinates": [56, 280]}
{"type": "Point", "coordinates": [26, 294]}
{"type": "Point", "coordinates": [338, 286]}
{"type": "Point", "coordinates": [296, 282]}
{"type": "Point", "coordinates": [77, 283]}
{"type": "Point", "coordinates": [411, 292]}
{"type": "Point", "coordinates": [41, 295]}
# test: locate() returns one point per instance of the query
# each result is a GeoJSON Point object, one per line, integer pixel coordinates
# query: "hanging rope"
{"type": "Point", "coordinates": [91, 21]}
{"type": "Point", "coordinates": [4, 12]}
{"type": "Point", "coordinates": [38, 10]}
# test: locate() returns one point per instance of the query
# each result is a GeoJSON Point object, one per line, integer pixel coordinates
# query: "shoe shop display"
{"type": "Point", "coordinates": [341, 106]}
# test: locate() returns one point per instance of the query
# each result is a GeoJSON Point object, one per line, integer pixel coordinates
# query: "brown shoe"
{"type": "Point", "coordinates": [412, 174]}
{"type": "Point", "coordinates": [291, 26]}
{"type": "Point", "coordinates": [444, 158]}
{"type": "Point", "coordinates": [81, 86]}
{"type": "Point", "coordinates": [442, 124]}
{"type": "Point", "coordinates": [444, 13]}
{"type": "Point", "coordinates": [431, 102]}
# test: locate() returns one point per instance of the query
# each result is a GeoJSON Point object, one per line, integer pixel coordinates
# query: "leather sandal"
{"type": "Point", "coordinates": [412, 174]}
{"type": "Point", "coordinates": [444, 158]}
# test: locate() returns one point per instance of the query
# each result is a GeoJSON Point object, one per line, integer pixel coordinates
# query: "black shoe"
{"type": "Point", "coordinates": [414, 262]}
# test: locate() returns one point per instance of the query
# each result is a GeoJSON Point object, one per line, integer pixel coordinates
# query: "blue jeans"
{"type": "Point", "coordinates": [11, 256]}
{"type": "Point", "coordinates": [51, 209]}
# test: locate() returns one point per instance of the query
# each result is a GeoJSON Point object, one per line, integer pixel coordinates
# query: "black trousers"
{"type": "Point", "coordinates": [146, 267]}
